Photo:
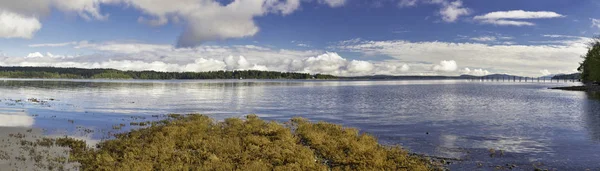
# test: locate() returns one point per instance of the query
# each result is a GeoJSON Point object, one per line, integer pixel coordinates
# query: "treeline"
{"type": "Point", "coordinates": [80, 73]}
{"type": "Point", "coordinates": [590, 67]}
{"type": "Point", "coordinates": [568, 76]}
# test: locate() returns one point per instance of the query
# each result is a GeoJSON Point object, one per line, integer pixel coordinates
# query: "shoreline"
{"type": "Point", "coordinates": [297, 144]}
{"type": "Point", "coordinates": [591, 88]}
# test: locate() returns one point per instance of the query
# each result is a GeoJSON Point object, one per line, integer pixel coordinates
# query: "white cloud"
{"type": "Point", "coordinates": [545, 72]}
{"type": "Point", "coordinates": [356, 66]}
{"type": "Point", "coordinates": [407, 58]}
{"type": "Point", "coordinates": [475, 72]}
{"type": "Point", "coordinates": [48, 54]}
{"type": "Point", "coordinates": [20, 19]}
{"type": "Point", "coordinates": [407, 3]}
{"type": "Point", "coordinates": [240, 63]}
{"type": "Point", "coordinates": [333, 3]}
{"type": "Point", "coordinates": [595, 22]}
{"type": "Point", "coordinates": [325, 63]}
{"type": "Point", "coordinates": [509, 18]}
{"type": "Point", "coordinates": [507, 22]}
{"type": "Point", "coordinates": [404, 68]}
{"type": "Point", "coordinates": [35, 55]}
{"type": "Point", "coordinates": [303, 45]}
{"type": "Point", "coordinates": [206, 20]}
{"type": "Point", "coordinates": [86, 9]}
{"type": "Point", "coordinates": [518, 14]}
{"type": "Point", "coordinates": [452, 11]}
{"type": "Point", "coordinates": [210, 20]}
{"type": "Point", "coordinates": [514, 59]}
{"type": "Point", "coordinates": [27, 8]}
{"type": "Point", "coordinates": [484, 38]}
{"type": "Point", "coordinates": [161, 57]}
{"type": "Point", "coordinates": [559, 36]}
{"type": "Point", "coordinates": [446, 66]}
{"type": "Point", "coordinates": [53, 44]}
{"type": "Point", "coordinates": [13, 25]}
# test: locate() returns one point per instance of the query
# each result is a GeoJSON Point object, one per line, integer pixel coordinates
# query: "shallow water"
{"type": "Point", "coordinates": [531, 124]}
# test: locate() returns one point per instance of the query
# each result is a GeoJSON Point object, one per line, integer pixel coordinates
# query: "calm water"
{"type": "Point", "coordinates": [455, 119]}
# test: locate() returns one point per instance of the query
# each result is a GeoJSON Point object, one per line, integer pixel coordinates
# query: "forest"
{"type": "Point", "coordinates": [590, 67]}
{"type": "Point", "coordinates": [80, 73]}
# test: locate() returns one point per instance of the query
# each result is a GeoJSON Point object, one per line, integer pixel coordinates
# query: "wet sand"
{"type": "Point", "coordinates": [19, 151]}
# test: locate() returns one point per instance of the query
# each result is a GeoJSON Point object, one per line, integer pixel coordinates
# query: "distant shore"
{"type": "Point", "coordinates": [588, 88]}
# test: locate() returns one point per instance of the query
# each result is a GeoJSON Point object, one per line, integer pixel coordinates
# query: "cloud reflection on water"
{"type": "Point", "coordinates": [12, 118]}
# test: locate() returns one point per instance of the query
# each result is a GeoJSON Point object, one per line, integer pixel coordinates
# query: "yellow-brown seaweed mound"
{"type": "Point", "coordinates": [196, 142]}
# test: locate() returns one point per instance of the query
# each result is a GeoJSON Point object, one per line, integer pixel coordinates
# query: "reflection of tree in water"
{"type": "Point", "coordinates": [68, 84]}
{"type": "Point", "coordinates": [592, 115]}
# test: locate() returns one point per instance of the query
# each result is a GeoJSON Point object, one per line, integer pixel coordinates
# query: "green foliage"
{"type": "Point", "coordinates": [196, 142]}
{"type": "Point", "coordinates": [590, 67]}
{"type": "Point", "coordinates": [35, 74]}
{"type": "Point", "coordinates": [111, 75]}
{"type": "Point", "coordinates": [51, 72]}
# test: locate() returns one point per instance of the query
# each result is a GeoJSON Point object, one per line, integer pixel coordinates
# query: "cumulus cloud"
{"type": "Point", "coordinates": [86, 9]}
{"type": "Point", "coordinates": [28, 8]}
{"type": "Point", "coordinates": [499, 58]}
{"type": "Point", "coordinates": [161, 57]}
{"type": "Point", "coordinates": [545, 72]}
{"type": "Point", "coordinates": [209, 19]}
{"type": "Point", "coordinates": [240, 63]}
{"type": "Point", "coordinates": [35, 55]}
{"type": "Point", "coordinates": [475, 72]}
{"type": "Point", "coordinates": [206, 20]}
{"type": "Point", "coordinates": [509, 18]}
{"type": "Point", "coordinates": [14, 25]}
{"type": "Point", "coordinates": [450, 11]}
{"type": "Point", "coordinates": [360, 67]}
{"type": "Point", "coordinates": [446, 66]}
{"type": "Point", "coordinates": [20, 19]}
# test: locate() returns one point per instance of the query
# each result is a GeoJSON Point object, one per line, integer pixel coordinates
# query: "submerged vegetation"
{"type": "Point", "coordinates": [80, 73]}
{"type": "Point", "coordinates": [197, 142]}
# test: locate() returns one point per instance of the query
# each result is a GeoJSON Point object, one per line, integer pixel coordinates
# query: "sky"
{"type": "Point", "coordinates": [339, 37]}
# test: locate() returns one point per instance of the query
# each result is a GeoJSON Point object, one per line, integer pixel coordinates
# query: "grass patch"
{"type": "Point", "coordinates": [193, 142]}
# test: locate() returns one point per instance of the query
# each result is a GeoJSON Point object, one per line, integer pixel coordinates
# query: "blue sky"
{"type": "Point", "coordinates": [341, 37]}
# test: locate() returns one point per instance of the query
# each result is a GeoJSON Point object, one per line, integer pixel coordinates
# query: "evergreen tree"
{"type": "Point", "coordinates": [590, 67]}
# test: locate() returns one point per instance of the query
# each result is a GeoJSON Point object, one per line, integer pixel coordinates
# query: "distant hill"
{"type": "Point", "coordinates": [568, 76]}
{"type": "Point", "coordinates": [549, 76]}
